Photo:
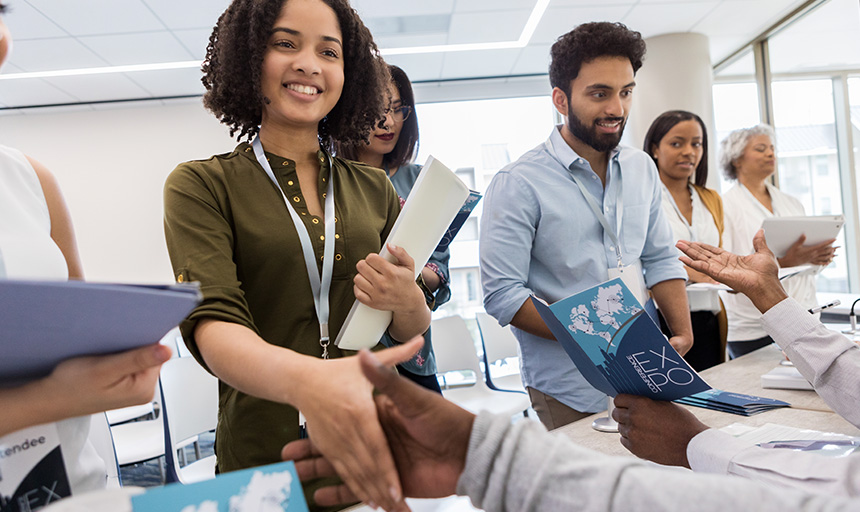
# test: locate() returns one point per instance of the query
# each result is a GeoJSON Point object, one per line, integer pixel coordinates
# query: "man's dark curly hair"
{"type": "Point", "coordinates": [590, 41]}
{"type": "Point", "coordinates": [233, 68]}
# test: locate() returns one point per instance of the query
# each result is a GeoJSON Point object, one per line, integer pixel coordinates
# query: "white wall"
{"type": "Point", "coordinates": [111, 165]}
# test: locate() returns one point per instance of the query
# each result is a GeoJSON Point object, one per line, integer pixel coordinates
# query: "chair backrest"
{"type": "Point", "coordinates": [102, 440]}
{"type": "Point", "coordinates": [189, 401]}
{"type": "Point", "coordinates": [499, 342]}
{"type": "Point", "coordinates": [454, 346]}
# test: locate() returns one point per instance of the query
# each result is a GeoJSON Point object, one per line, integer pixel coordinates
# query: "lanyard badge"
{"type": "Point", "coordinates": [320, 285]}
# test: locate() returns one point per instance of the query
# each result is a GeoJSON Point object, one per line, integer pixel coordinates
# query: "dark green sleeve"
{"type": "Point", "coordinates": [198, 230]}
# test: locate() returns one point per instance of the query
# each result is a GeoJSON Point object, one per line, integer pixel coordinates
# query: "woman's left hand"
{"type": "Point", "coordinates": [388, 286]}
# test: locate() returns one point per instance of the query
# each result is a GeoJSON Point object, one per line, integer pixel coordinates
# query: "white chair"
{"type": "Point", "coordinates": [140, 441]}
{"type": "Point", "coordinates": [499, 345]}
{"type": "Point", "coordinates": [455, 351]}
{"type": "Point", "coordinates": [189, 400]}
{"type": "Point", "coordinates": [101, 439]}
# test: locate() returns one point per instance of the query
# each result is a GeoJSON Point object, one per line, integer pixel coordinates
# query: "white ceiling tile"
{"type": "Point", "coordinates": [493, 5]}
{"type": "Point", "coordinates": [188, 13]}
{"type": "Point", "coordinates": [64, 109]}
{"type": "Point", "coordinates": [32, 91]}
{"type": "Point", "coordinates": [723, 46]}
{"type": "Point", "coordinates": [654, 19]}
{"type": "Point", "coordinates": [8, 67]}
{"type": "Point", "coordinates": [824, 39]}
{"type": "Point", "coordinates": [99, 87]}
{"type": "Point", "coordinates": [387, 8]}
{"type": "Point", "coordinates": [138, 48]}
{"type": "Point", "coordinates": [195, 41]}
{"type": "Point", "coordinates": [591, 3]}
{"type": "Point", "coordinates": [409, 40]}
{"type": "Point", "coordinates": [170, 82]}
{"type": "Point", "coordinates": [483, 27]}
{"type": "Point", "coordinates": [561, 20]}
{"type": "Point", "coordinates": [532, 60]}
{"type": "Point", "coordinates": [51, 54]}
{"type": "Point", "coordinates": [758, 15]}
{"type": "Point", "coordinates": [479, 64]}
{"type": "Point", "coordinates": [420, 67]}
{"type": "Point", "coordinates": [90, 17]}
{"type": "Point", "coordinates": [25, 22]}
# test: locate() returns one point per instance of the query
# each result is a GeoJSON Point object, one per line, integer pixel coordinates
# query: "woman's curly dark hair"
{"type": "Point", "coordinates": [233, 67]}
{"type": "Point", "coordinates": [590, 41]}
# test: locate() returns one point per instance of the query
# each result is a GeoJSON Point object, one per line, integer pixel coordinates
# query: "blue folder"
{"type": "Point", "coordinates": [45, 322]}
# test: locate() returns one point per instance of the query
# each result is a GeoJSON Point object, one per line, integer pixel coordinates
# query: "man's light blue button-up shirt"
{"type": "Point", "coordinates": [538, 235]}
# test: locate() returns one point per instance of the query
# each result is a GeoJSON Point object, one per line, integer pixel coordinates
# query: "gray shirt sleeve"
{"type": "Point", "coordinates": [520, 467]}
{"type": "Point", "coordinates": [827, 359]}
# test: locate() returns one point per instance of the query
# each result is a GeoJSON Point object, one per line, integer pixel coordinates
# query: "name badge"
{"type": "Point", "coordinates": [633, 279]}
{"type": "Point", "coordinates": [32, 470]}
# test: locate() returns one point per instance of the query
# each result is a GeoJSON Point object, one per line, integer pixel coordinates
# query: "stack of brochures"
{"type": "Point", "coordinates": [735, 403]}
{"type": "Point", "coordinates": [618, 348]}
{"type": "Point", "coordinates": [785, 377]}
{"type": "Point", "coordinates": [272, 487]}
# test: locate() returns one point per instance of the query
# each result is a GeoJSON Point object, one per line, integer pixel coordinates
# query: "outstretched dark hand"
{"type": "Point", "coordinates": [755, 275]}
{"type": "Point", "coordinates": [656, 431]}
{"type": "Point", "coordinates": [428, 436]}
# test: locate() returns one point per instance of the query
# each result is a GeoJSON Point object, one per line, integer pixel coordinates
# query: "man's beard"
{"type": "Point", "coordinates": [600, 142]}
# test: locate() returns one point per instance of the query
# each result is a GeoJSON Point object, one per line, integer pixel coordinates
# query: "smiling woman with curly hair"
{"type": "Point", "coordinates": [283, 238]}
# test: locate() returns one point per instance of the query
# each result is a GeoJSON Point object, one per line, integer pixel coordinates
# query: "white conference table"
{"type": "Point", "coordinates": [742, 375]}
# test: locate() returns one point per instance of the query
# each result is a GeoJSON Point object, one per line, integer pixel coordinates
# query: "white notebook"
{"type": "Point", "coordinates": [434, 201]}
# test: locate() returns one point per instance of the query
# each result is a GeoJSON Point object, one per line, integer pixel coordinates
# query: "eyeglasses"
{"type": "Point", "coordinates": [398, 114]}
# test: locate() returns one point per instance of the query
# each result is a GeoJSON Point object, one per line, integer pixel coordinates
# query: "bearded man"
{"type": "Point", "coordinates": [575, 211]}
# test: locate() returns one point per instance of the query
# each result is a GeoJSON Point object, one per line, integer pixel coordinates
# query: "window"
{"type": "Point", "coordinates": [735, 106]}
{"type": "Point", "coordinates": [808, 160]}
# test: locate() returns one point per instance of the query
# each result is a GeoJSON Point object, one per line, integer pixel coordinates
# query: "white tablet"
{"type": "Point", "coordinates": [782, 232]}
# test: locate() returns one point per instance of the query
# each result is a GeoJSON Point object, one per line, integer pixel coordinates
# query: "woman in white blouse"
{"type": "Point", "coordinates": [37, 242]}
{"type": "Point", "coordinates": [748, 156]}
{"type": "Point", "coordinates": [678, 143]}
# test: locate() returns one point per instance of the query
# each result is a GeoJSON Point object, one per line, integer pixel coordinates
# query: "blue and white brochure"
{"type": "Point", "coordinates": [272, 488]}
{"type": "Point", "coordinates": [617, 346]}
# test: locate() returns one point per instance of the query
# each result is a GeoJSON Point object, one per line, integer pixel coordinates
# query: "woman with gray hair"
{"type": "Point", "coordinates": [748, 157]}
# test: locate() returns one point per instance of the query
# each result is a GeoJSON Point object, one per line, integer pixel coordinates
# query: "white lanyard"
{"type": "Point", "coordinates": [681, 215]}
{"type": "Point", "coordinates": [320, 289]}
{"type": "Point", "coordinates": [619, 207]}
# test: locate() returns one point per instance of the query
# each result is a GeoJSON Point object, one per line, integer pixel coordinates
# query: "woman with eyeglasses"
{"type": "Point", "coordinates": [392, 147]}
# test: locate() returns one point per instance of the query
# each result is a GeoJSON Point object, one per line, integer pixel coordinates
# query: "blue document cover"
{"type": "Point", "coordinates": [617, 346]}
{"type": "Point", "coordinates": [45, 322]}
{"type": "Point", "coordinates": [273, 488]}
{"type": "Point", "coordinates": [459, 220]}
